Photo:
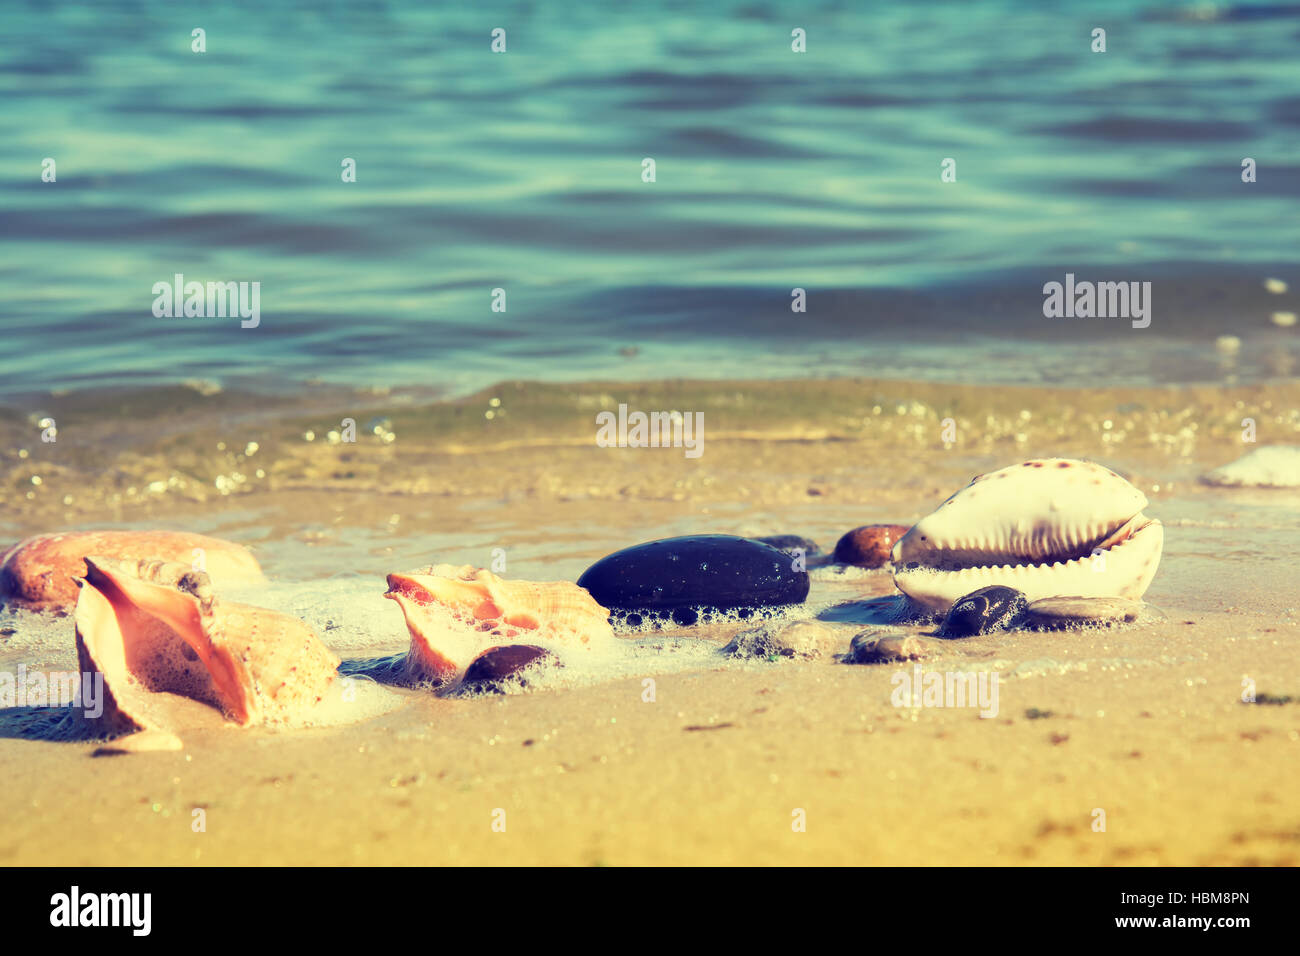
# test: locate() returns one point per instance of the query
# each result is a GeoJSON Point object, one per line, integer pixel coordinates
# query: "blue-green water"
{"type": "Point", "coordinates": [523, 171]}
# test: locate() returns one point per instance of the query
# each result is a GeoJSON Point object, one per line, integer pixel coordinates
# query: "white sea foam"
{"type": "Point", "coordinates": [846, 572]}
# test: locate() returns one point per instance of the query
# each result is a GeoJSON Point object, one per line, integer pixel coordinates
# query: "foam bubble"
{"type": "Point", "coordinates": [348, 612]}
{"type": "Point", "coordinates": [350, 699]}
{"type": "Point", "coordinates": [846, 572]}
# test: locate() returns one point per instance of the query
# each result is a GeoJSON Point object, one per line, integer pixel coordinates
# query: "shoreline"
{"type": "Point", "coordinates": [146, 453]}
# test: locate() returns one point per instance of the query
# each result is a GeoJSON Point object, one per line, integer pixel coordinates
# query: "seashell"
{"type": "Point", "coordinates": [40, 573]}
{"type": "Point", "coordinates": [1273, 466]}
{"type": "Point", "coordinates": [454, 614]}
{"type": "Point", "coordinates": [995, 608]}
{"type": "Point", "coordinates": [162, 640]}
{"type": "Point", "coordinates": [1044, 527]}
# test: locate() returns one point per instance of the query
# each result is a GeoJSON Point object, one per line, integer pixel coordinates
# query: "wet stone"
{"type": "Point", "coordinates": [995, 608]}
{"type": "Point", "coordinates": [869, 546]}
{"type": "Point", "coordinates": [807, 640]}
{"type": "Point", "coordinates": [1057, 613]}
{"type": "Point", "coordinates": [683, 579]}
{"type": "Point", "coordinates": [882, 647]}
{"type": "Point", "coordinates": [792, 544]}
{"type": "Point", "coordinates": [496, 665]}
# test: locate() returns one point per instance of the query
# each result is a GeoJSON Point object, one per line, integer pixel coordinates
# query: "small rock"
{"type": "Point", "coordinates": [994, 608]}
{"type": "Point", "coordinates": [807, 640]}
{"type": "Point", "coordinates": [791, 543]}
{"type": "Point", "coordinates": [495, 665]}
{"type": "Point", "coordinates": [1055, 613]}
{"type": "Point", "coordinates": [869, 546]}
{"type": "Point", "coordinates": [881, 647]}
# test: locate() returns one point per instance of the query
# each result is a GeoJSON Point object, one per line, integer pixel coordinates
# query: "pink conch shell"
{"type": "Point", "coordinates": [40, 573]}
{"type": "Point", "coordinates": [162, 640]}
{"type": "Point", "coordinates": [454, 614]}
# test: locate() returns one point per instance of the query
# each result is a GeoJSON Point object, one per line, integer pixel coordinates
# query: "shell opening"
{"type": "Point", "coordinates": [959, 560]}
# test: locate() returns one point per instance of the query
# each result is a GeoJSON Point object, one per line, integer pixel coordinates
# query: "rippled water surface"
{"type": "Point", "coordinates": [522, 171]}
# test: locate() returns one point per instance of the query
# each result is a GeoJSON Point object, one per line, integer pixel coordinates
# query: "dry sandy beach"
{"type": "Point", "coordinates": [1145, 723]}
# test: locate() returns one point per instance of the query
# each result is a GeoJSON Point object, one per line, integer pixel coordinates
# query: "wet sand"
{"type": "Point", "coordinates": [1145, 723]}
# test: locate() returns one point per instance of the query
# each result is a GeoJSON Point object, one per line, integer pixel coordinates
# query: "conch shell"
{"type": "Point", "coordinates": [157, 633]}
{"type": "Point", "coordinates": [1046, 527]}
{"type": "Point", "coordinates": [453, 614]}
{"type": "Point", "coordinates": [40, 573]}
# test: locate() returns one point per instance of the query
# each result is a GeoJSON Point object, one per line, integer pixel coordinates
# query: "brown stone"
{"type": "Point", "coordinates": [870, 545]}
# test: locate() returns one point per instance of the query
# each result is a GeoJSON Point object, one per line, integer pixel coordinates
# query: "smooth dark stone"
{"type": "Point", "coordinates": [496, 664]}
{"type": "Point", "coordinates": [989, 609]}
{"type": "Point", "coordinates": [682, 579]}
{"type": "Point", "coordinates": [869, 546]}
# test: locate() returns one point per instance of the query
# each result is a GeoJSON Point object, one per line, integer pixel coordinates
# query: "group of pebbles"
{"type": "Point", "coordinates": [1046, 544]}
{"type": "Point", "coordinates": [708, 578]}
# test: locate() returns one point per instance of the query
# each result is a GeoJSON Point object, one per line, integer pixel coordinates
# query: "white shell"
{"type": "Point", "coordinates": [1045, 527]}
{"type": "Point", "coordinates": [1273, 466]}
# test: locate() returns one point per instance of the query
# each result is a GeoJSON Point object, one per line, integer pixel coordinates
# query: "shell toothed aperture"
{"type": "Point", "coordinates": [1045, 527]}
{"type": "Point", "coordinates": [455, 613]}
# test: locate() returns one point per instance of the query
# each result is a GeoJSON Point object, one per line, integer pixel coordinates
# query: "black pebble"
{"type": "Point", "coordinates": [679, 579]}
{"type": "Point", "coordinates": [498, 663]}
{"type": "Point", "coordinates": [994, 608]}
